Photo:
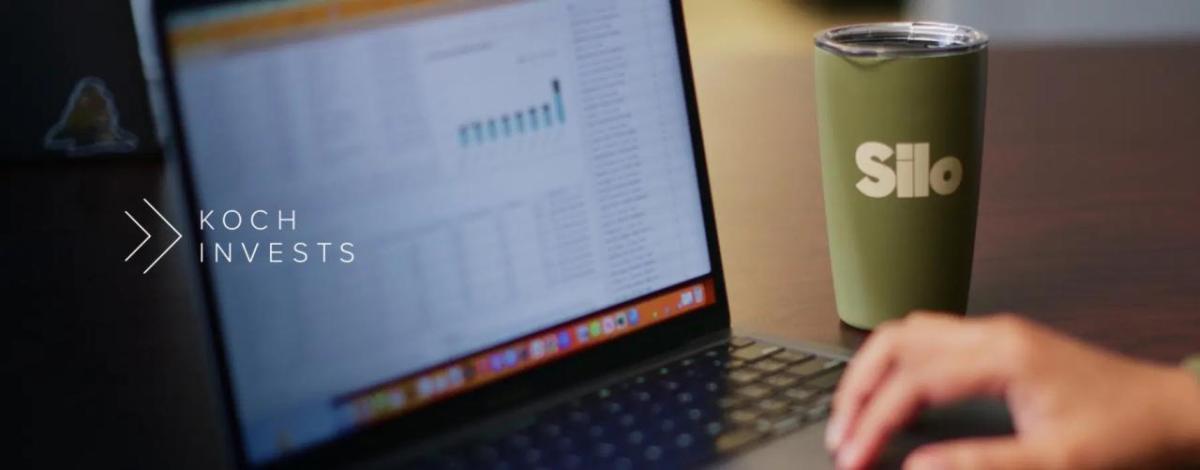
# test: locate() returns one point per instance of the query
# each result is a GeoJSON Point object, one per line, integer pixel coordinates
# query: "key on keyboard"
{"type": "Point", "coordinates": [714, 403]}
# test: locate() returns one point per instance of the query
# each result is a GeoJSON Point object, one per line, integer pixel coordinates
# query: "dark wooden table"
{"type": "Point", "coordinates": [1089, 212]}
{"type": "Point", "coordinates": [1090, 221]}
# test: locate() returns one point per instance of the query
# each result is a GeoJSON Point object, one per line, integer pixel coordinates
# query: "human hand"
{"type": "Point", "coordinates": [1073, 406]}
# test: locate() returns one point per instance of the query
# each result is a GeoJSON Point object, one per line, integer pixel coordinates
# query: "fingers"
{"type": "Point", "coordinates": [976, 453]}
{"type": "Point", "coordinates": [872, 364]}
{"type": "Point", "coordinates": [904, 392]}
{"type": "Point", "coordinates": [925, 360]}
{"type": "Point", "coordinates": [863, 374]}
{"type": "Point", "coordinates": [890, 407]}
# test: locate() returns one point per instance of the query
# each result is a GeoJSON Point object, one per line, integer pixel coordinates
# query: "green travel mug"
{"type": "Point", "coordinates": [900, 116]}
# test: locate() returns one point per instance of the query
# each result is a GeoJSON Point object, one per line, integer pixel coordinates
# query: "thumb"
{"type": "Point", "coordinates": [974, 453]}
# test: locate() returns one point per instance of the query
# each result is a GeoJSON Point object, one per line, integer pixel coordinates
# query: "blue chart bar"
{"type": "Point", "coordinates": [558, 102]}
{"type": "Point", "coordinates": [537, 117]}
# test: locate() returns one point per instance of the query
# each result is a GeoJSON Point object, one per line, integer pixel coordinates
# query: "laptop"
{"type": "Point", "coordinates": [484, 239]}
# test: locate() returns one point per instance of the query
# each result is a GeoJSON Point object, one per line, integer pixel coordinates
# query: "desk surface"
{"type": "Point", "coordinates": [1090, 205]}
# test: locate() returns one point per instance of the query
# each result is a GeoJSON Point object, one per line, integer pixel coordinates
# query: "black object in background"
{"type": "Point", "coordinates": [53, 47]}
{"type": "Point", "coordinates": [107, 367]}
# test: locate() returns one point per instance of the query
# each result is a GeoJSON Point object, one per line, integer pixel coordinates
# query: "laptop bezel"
{"type": "Point", "coordinates": [520, 389]}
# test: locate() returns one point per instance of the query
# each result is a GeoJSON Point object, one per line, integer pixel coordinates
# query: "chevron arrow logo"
{"type": "Point", "coordinates": [148, 236]}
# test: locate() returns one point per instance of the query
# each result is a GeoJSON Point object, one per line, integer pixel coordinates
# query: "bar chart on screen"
{"type": "Point", "coordinates": [501, 98]}
{"type": "Point", "coordinates": [530, 127]}
{"type": "Point", "coordinates": [537, 119]}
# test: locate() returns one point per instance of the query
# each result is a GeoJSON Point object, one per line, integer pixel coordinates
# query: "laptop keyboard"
{"type": "Point", "coordinates": [691, 411]}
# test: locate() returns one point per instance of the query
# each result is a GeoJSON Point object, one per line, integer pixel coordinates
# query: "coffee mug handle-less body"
{"type": "Point", "coordinates": [900, 109]}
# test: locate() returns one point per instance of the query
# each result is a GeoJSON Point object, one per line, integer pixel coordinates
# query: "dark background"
{"type": "Point", "coordinates": [105, 367]}
{"type": "Point", "coordinates": [51, 45]}
{"type": "Point", "coordinates": [109, 367]}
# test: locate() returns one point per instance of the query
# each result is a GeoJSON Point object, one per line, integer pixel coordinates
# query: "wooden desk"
{"type": "Point", "coordinates": [1089, 212]}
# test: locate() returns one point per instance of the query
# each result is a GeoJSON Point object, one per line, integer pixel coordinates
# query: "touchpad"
{"type": "Point", "coordinates": [969, 418]}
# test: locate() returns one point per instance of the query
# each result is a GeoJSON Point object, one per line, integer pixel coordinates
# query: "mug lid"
{"type": "Point", "coordinates": [908, 39]}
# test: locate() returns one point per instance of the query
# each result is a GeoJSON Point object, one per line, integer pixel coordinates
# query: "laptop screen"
{"type": "Point", "coordinates": [403, 200]}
